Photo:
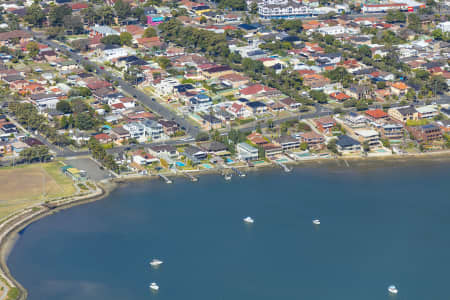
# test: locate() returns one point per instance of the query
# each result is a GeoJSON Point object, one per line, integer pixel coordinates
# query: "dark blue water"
{"type": "Point", "coordinates": [380, 226]}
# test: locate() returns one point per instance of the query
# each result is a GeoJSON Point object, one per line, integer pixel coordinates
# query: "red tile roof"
{"type": "Point", "coordinates": [376, 113]}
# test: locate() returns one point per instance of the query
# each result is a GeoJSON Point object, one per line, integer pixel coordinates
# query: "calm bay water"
{"type": "Point", "coordinates": [380, 226]}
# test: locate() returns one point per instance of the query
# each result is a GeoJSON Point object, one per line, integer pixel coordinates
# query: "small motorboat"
{"type": "Point", "coordinates": [155, 262]}
{"type": "Point", "coordinates": [227, 176]}
{"type": "Point", "coordinates": [392, 289]}
{"type": "Point", "coordinates": [316, 222]}
{"type": "Point", "coordinates": [249, 220]}
{"type": "Point", "coordinates": [154, 286]}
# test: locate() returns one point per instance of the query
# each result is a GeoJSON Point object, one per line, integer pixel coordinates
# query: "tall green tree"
{"type": "Point", "coordinates": [35, 15]}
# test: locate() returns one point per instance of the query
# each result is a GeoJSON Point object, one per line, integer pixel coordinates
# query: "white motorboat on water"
{"type": "Point", "coordinates": [156, 262]}
{"type": "Point", "coordinates": [316, 222]}
{"type": "Point", "coordinates": [154, 286]}
{"type": "Point", "coordinates": [392, 289]}
{"type": "Point", "coordinates": [227, 176]}
{"type": "Point", "coordinates": [249, 220]}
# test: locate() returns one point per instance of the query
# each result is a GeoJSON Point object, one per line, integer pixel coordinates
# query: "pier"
{"type": "Point", "coordinates": [239, 173]}
{"type": "Point", "coordinates": [190, 176]}
{"type": "Point", "coordinates": [285, 168]}
{"type": "Point", "coordinates": [164, 177]}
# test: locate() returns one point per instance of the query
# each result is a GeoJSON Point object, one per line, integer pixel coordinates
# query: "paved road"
{"type": "Point", "coordinates": [125, 86]}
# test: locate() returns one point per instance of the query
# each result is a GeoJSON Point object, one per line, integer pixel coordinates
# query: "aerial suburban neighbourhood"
{"type": "Point", "coordinates": [97, 91]}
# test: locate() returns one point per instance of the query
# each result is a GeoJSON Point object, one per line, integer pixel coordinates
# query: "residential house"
{"type": "Point", "coordinates": [426, 133]}
{"type": "Point", "coordinates": [195, 154]}
{"type": "Point", "coordinates": [45, 101]}
{"type": "Point", "coordinates": [136, 130]}
{"type": "Point", "coordinates": [392, 131]}
{"type": "Point", "coordinates": [120, 134]}
{"type": "Point", "coordinates": [210, 122]}
{"type": "Point", "coordinates": [325, 124]}
{"type": "Point", "coordinates": [348, 145]}
{"type": "Point", "coordinates": [314, 140]}
{"type": "Point", "coordinates": [257, 139]}
{"type": "Point", "coordinates": [247, 152]}
{"type": "Point", "coordinates": [376, 114]}
{"type": "Point", "coordinates": [257, 107]}
{"type": "Point", "coordinates": [153, 130]}
{"type": "Point", "coordinates": [239, 110]}
{"type": "Point", "coordinates": [427, 112]}
{"type": "Point", "coordinates": [164, 151]}
{"type": "Point", "coordinates": [200, 103]}
{"type": "Point", "coordinates": [290, 104]}
{"type": "Point", "coordinates": [358, 91]}
{"type": "Point", "coordinates": [271, 149]}
{"type": "Point", "coordinates": [369, 136]}
{"type": "Point", "coordinates": [403, 114]}
{"type": "Point", "coordinates": [355, 120]}
{"type": "Point", "coordinates": [103, 138]}
{"type": "Point", "coordinates": [214, 147]}
{"type": "Point", "coordinates": [287, 142]}
{"type": "Point", "coordinates": [143, 158]}
{"type": "Point", "coordinates": [399, 89]}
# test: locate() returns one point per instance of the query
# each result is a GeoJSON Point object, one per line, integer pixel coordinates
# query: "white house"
{"type": "Point", "coordinates": [444, 26]}
{"type": "Point", "coordinates": [247, 152]}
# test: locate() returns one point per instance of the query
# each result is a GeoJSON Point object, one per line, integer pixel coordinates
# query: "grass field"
{"type": "Point", "coordinates": [26, 185]}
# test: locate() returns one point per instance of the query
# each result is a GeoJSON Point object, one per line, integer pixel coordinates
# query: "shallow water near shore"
{"type": "Point", "coordinates": [380, 225]}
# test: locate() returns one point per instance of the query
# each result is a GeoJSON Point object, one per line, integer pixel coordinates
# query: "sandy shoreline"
{"type": "Point", "coordinates": [10, 228]}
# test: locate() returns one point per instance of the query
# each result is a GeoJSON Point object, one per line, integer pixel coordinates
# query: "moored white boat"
{"type": "Point", "coordinates": [316, 222]}
{"type": "Point", "coordinates": [249, 220]}
{"type": "Point", "coordinates": [392, 289]}
{"type": "Point", "coordinates": [154, 286]}
{"type": "Point", "coordinates": [156, 262]}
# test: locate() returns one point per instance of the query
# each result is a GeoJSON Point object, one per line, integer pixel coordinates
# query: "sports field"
{"type": "Point", "coordinates": [26, 185]}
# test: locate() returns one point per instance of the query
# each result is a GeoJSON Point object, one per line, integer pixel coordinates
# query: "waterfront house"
{"type": "Point", "coordinates": [214, 147]}
{"type": "Point", "coordinates": [426, 133]}
{"type": "Point", "coordinates": [143, 158]}
{"type": "Point", "coordinates": [195, 154]}
{"type": "Point", "coordinates": [287, 142]}
{"type": "Point", "coordinates": [271, 149]}
{"type": "Point", "coordinates": [369, 136]}
{"type": "Point", "coordinates": [246, 152]}
{"type": "Point", "coordinates": [314, 140]}
{"type": "Point", "coordinates": [348, 145]}
{"type": "Point", "coordinates": [164, 151]}
{"type": "Point", "coordinates": [392, 131]}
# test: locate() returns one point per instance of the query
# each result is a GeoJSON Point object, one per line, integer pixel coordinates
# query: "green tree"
{"type": "Point", "coordinates": [126, 38]}
{"type": "Point", "coordinates": [319, 96]}
{"type": "Point", "coordinates": [84, 121]}
{"type": "Point", "coordinates": [33, 49]}
{"type": "Point", "coordinates": [394, 16]}
{"type": "Point", "coordinates": [414, 22]}
{"type": "Point", "coordinates": [35, 15]}
{"type": "Point", "coordinates": [150, 32]}
{"type": "Point", "coordinates": [122, 9]}
{"type": "Point", "coordinates": [57, 13]}
{"type": "Point", "coordinates": [64, 107]}
{"type": "Point", "coordinates": [112, 39]}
